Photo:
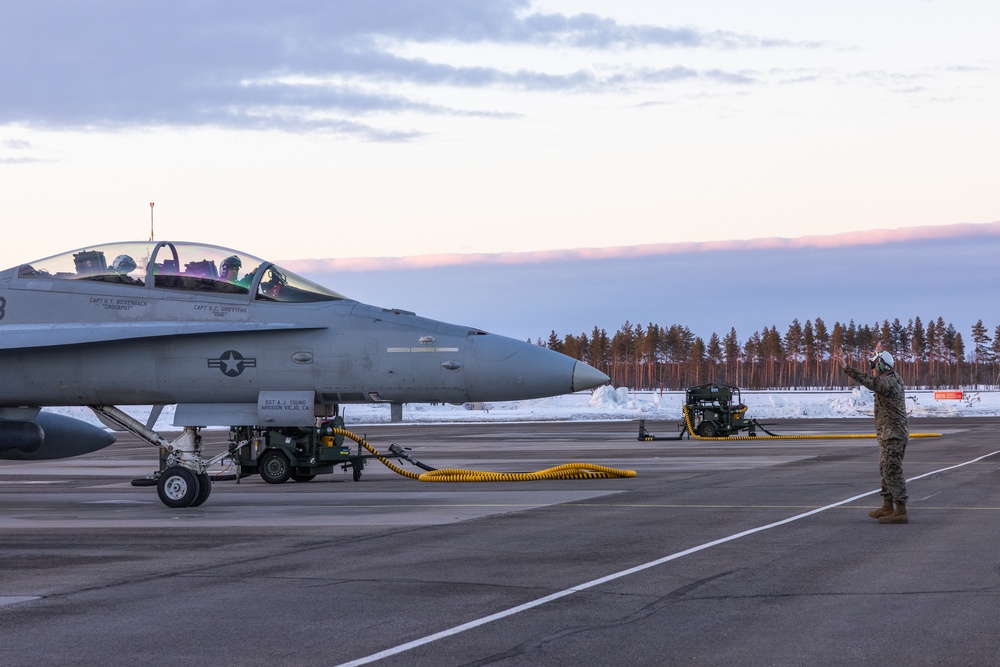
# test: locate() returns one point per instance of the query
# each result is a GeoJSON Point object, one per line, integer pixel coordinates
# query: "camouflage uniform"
{"type": "Point", "coordinates": [891, 428]}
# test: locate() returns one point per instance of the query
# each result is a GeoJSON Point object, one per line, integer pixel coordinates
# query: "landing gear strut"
{"type": "Point", "coordinates": [184, 482]}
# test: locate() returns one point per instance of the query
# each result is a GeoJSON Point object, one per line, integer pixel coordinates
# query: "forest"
{"type": "Point", "coordinates": [931, 356]}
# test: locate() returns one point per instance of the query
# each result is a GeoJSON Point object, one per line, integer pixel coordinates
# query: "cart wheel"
{"type": "Point", "coordinates": [357, 474]}
{"type": "Point", "coordinates": [274, 467]}
{"type": "Point", "coordinates": [707, 430]}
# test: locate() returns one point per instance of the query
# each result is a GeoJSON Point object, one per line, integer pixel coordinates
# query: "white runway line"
{"type": "Point", "coordinates": [458, 629]}
{"type": "Point", "coordinates": [14, 599]}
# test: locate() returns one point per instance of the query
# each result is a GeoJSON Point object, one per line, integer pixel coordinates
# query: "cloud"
{"type": "Point", "coordinates": [593, 31]}
{"type": "Point", "coordinates": [925, 272]}
{"type": "Point", "coordinates": [18, 146]}
{"type": "Point", "coordinates": [297, 65]}
{"type": "Point", "coordinates": [20, 160]}
{"type": "Point", "coordinates": [871, 238]}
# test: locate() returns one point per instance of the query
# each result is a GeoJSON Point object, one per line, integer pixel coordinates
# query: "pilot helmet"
{"type": "Point", "coordinates": [231, 263]}
{"type": "Point", "coordinates": [123, 264]}
{"type": "Point", "coordinates": [881, 361]}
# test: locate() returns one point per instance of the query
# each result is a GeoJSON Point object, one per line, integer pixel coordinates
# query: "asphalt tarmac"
{"type": "Point", "coordinates": [750, 552]}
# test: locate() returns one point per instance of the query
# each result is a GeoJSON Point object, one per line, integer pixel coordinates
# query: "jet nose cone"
{"type": "Point", "coordinates": [587, 377]}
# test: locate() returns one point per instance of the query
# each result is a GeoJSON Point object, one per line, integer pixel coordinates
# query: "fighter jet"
{"type": "Point", "coordinates": [230, 339]}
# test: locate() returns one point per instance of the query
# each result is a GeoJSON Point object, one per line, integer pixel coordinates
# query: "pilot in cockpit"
{"type": "Point", "coordinates": [123, 265]}
{"type": "Point", "coordinates": [229, 276]}
{"type": "Point", "coordinates": [230, 269]}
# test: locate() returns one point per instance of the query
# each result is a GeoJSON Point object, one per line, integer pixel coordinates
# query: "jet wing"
{"type": "Point", "coordinates": [24, 336]}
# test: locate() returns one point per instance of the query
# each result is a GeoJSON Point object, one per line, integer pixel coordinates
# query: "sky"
{"type": "Point", "coordinates": [399, 128]}
{"type": "Point", "coordinates": [946, 271]}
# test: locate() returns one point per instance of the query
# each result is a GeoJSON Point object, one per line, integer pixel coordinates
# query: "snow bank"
{"type": "Point", "coordinates": [610, 403]}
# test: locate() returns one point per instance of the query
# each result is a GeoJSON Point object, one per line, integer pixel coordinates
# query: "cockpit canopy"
{"type": "Point", "coordinates": [192, 267]}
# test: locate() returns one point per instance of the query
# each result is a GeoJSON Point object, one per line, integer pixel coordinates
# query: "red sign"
{"type": "Point", "coordinates": [947, 395]}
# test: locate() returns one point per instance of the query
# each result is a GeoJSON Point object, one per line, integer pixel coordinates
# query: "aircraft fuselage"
{"type": "Point", "coordinates": [163, 335]}
{"type": "Point", "coordinates": [231, 340]}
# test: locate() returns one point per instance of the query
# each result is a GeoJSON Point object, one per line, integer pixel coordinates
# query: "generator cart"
{"type": "Point", "coordinates": [293, 452]}
{"type": "Point", "coordinates": [715, 410]}
{"type": "Point", "coordinates": [711, 411]}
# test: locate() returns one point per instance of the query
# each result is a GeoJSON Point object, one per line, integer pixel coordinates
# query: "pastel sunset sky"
{"type": "Point", "coordinates": [416, 127]}
{"type": "Point", "coordinates": [451, 133]}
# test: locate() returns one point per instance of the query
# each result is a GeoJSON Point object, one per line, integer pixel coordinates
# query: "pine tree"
{"type": "Point", "coordinates": [714, 354]}
{"type": "Point", "coordinates": [554, 343]}
{"type": "Point", "coordinates": [752, 351]}
{"type": "Point", "coordinates": [822, 336]}
{"type": "Point", "coordinates": [932, 351]}
{"type": "Point", "coordinates": [995, 349]}
{"type": "Point", "coordinates": [851, 340]}
{"type": "Point", "coordinates": [885, 337]}
{"type": "Point", "coordinates": [731, 345]}
{"type": "Point", "coordinates": [918, 345]}
{"type": "Point", "coordinates": [808, 352]}
{"type": "Point", "coordinates": [674, 358]}
{"type": "Point", "coordinates": [793, 347]}
{"type": "Point", "coordinates": [696, 362]}
{"type": "Point", "coordinates": [981, 349]}
{"type": "Point", "coordinates": [901, 340]}
{"type": "Point", "coordinates": [836, 347]}
{"type": "Point", "coordinates": [958, 351]}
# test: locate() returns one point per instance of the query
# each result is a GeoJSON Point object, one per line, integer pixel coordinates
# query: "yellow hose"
{"type": "Point", "coordinates": [831, 436]}
{"type": "Point", "coordinates": [565, 471]}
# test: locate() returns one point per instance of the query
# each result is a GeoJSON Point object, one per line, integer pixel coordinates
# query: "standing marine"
{"type": "Point", "coordinates": [891, 429]}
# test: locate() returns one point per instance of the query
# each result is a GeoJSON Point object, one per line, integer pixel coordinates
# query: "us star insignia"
{"type": "Point", "coordinates": [232, 363]}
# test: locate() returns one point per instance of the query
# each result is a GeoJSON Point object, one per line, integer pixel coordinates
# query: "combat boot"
{"type": "Point", "coordinates": [885, 510]}
{"type": "Point", "coordinates": [898, 516]}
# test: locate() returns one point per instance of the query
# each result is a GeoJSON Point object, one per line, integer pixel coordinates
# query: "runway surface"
{"type": "Point", "coordinates": [736, 553]}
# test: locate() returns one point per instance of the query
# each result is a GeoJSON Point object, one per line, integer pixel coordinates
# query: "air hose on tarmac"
{"type": "Point", "coordinates": [772, 436]}
{"type": "Point", "coordinates": [565, 471]}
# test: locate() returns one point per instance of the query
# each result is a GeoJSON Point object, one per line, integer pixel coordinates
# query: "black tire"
{"type": "Point", "coordinates": [357, 474]}
{"type": "Point", "coordinates": [302, 478]}
{"type": "Point", "coordinates": [205, 484]}
{"type": "Point", "coordinates": [707, 430]}
{"type": "Point", "coordinates": [178, 487]}
{"type": "Point", "coordinates": [274, 467]}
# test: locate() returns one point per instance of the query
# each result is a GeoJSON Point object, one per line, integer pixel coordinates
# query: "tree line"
{"type": "Point", "coordinates": [931, 356]}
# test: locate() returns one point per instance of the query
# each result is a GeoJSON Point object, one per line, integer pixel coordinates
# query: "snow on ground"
{"type": "Point", "coordinates": [608, 403]}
